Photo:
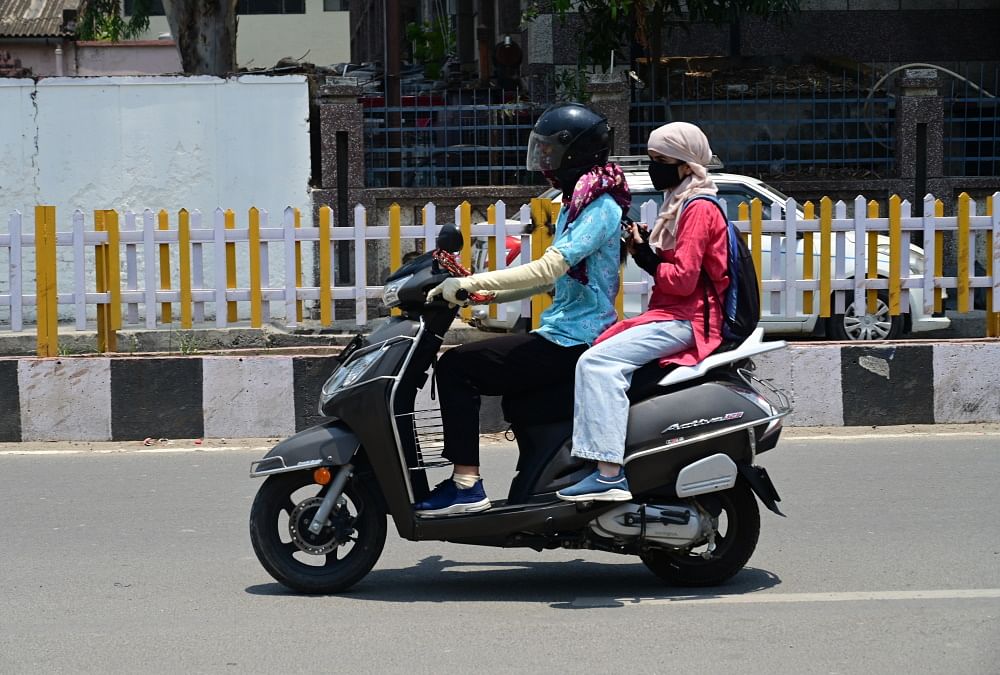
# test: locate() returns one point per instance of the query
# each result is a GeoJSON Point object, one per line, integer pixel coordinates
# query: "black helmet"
{"type": "Point", "coordinates": [568, 140]}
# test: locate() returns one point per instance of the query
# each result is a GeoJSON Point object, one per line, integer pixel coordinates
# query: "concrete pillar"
{"type": "Point", "coordinates": [342, 157]}
{"type": "Point", "coordinates": [920, 137]}
{"type": "Point", "coordinates": [609, 96]}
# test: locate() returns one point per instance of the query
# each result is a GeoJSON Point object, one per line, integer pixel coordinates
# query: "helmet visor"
{"type": "Point", "coordinates": [545, 153]}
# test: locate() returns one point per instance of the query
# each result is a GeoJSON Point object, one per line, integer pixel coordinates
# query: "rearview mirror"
{"type": "Point", "coordinates": [450, 239]}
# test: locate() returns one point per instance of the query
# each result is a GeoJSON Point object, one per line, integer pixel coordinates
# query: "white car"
{"type": "Point", "coordinates": [735, 189]}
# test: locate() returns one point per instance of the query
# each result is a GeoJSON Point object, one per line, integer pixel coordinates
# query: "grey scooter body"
{"type": "Point", "coordinates": [723, 413]}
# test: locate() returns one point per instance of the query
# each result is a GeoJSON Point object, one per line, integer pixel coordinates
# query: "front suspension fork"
{"type": "Point", "coordinates": [330, 500]}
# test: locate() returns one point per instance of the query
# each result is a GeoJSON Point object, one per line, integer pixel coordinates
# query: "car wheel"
{"type": "Point", "coordinates": [866, 327]}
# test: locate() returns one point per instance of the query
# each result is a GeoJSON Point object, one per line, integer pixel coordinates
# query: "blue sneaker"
{"type": "Point", "coordinates": [598, 488]}
{"type": "Point", "coordinates": [448, 499]}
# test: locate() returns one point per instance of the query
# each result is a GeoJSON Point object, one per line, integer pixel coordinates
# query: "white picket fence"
{"type": "Point", "coordinates": [280, 295]}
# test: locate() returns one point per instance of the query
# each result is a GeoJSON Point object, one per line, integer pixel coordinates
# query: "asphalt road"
{"type": "Point", "coordinates": [118, 558]}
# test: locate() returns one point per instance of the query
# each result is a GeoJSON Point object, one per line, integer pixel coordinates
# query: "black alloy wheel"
{"type": "Point", "coordinates": [738, 527]}
{"type": "Point", "coordinates": [334, 559]}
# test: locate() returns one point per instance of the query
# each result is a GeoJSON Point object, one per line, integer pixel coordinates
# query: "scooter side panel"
{"type": "Point", "coordinates": [677, 418]}
{"type": "Point", "coordinates": [333, 443]}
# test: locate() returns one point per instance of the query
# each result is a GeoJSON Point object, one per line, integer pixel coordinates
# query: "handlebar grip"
{"type": "Point", "coordinates": [462, 294]}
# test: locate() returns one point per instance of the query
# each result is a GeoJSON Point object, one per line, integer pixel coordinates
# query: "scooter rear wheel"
{"type": "Point", "coordinates": [338, 557]}
{"type": "Point", "coordinates": [734, 546]}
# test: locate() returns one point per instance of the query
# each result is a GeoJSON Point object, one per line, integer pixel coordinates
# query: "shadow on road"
{"type": "Point", "coordinates": [435, 579]}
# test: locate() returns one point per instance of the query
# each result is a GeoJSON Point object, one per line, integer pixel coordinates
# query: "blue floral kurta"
{"type": "Point", "coordinates": [584, 304]}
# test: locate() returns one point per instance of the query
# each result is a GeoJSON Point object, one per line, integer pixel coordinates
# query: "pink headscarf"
{"type": "Point", "coordinates": [687, 143]}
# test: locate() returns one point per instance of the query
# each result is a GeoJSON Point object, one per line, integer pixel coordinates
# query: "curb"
{"type": "Point", "coordinates": [240, 396]}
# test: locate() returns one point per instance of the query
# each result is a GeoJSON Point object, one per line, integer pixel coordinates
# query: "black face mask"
{"type": "Point", "coordinates": [665, 176]}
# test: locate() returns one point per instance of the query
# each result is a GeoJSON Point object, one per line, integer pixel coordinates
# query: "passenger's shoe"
{"type": "Point", "coordinates": [448, 499]}
{"type": "Point", "coordinates": [598, 488]}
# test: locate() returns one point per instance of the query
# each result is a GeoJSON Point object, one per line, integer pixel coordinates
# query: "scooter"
{"type": "Point", "coordinates": [318, 522]}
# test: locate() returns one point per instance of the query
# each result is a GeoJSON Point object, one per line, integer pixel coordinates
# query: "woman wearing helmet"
{"type": "Point", "coordinates": [570, 145]}
{"type": "Point", "coordinates": [688, 263]}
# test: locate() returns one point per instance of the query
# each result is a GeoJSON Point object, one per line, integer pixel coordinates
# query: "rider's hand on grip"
{"type": "Point", "coordinates": [452, 290]}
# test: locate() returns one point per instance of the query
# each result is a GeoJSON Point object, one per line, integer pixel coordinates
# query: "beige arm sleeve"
{"type": "Point", "coordinates": [537, 273]}
{"type": "Point", "coordinates": [519, 294]}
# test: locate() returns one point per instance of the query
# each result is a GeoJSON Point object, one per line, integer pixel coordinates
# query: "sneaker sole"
{"type": "Point", "coordinates": [614, 495]}
{"type": "Point", "coordinates": [475, 507]}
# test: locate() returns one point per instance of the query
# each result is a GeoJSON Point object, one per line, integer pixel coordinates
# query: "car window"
{"type": "Point", "coordinates": [738, 194]}
{"type": "Point", "coordinates": [640, 198]}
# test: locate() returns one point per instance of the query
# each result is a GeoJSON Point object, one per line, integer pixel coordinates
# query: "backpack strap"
{"type": "Point", "coordinates": [706, 281]}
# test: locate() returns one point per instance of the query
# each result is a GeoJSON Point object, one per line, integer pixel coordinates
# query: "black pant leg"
{"type": "Point", "coordinates": [507, 364]}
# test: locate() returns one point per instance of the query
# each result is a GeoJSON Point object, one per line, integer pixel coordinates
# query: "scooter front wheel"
{"type": "Point", "coordinates": [738, 528]}
{"type": "Point", "coordinates": [336, 558]}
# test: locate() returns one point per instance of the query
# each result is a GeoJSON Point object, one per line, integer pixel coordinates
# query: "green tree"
{"type": "Point", "coordinates": [204, 30]}
{"type": "Point", "coordinates": [103, 20]}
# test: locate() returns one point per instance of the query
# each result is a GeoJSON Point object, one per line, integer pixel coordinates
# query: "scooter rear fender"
{"type": "Point", "coordinates": [328, 444]}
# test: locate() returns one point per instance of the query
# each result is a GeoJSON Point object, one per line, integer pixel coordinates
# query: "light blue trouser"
{"type": "Point", "coordinates": [603, 376]}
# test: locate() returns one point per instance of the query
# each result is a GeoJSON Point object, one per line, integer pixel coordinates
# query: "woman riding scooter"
{"type": "Point", "coordinates": [570, 145]}
{"type": "Point", "coordinates": [686, 255]}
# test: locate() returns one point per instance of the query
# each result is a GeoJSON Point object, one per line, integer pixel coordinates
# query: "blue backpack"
{"type": "Point", "coordinates": [741, 300]}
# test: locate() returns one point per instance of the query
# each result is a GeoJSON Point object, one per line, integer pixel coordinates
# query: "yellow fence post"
{"type": "Point", "coordinates": [299, 305]}
{"type": "Point", "coordinates": [325, 293]}
{"type": "Point", "coordinates": [756, 242]}
{"type": "Point", "coordinates": [184, 241]}
{"type": "Point", "coordinates": [871, 296]}
{"type": "Point", "coordinates": [256, 299]}
{"type": "Point", "coordinates": [808, 272]}
{"type": "Point", "coordinates": [167, 308]}
{"type": "Point", "coordinates": [743, 213]}
{"type": "Point", "coordinates": [101, 278]}
{"type": "Point", "coordinates": [395, 245]}
{"type": "Point", "coordinates": [541, 216]}
{"type": "Point", "coordinates": [825, 257]}
{"type": "Point", "coordinates": [46, 290]}
{"type": "Point", "coordinates": [113, 261]}
{"type": "Point", "coordinates": [963, 253]}
{"type": "Point", "coordinates": [895, 253]}
{"type": "Point", "coordinates": [231, 311]}
{"type": "Point", "coordinates": [938, 257]}
{"type": "Point", "coordinates": [465, 226]}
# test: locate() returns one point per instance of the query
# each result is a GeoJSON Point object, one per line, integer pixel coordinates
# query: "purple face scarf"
{"type": "Point", "coordinates": [608, 179]}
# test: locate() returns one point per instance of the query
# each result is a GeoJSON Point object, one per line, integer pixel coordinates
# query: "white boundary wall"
{"type": "Point", "coordinates": [152, 142]}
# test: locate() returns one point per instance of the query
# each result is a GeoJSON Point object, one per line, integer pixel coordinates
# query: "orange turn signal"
{"type": "Point", "coordinates": [322, 475]}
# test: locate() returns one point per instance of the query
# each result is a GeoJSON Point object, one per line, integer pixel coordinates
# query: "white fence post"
{"type": "Point", "coordinates": [219, 256]}
{"type": "Point", "coordinates": [791, 258]}
{"type": "Point", "coordinates": [904, 262]}
{"type": "Point", "coordinates": [265, 270]}
{"type": "Point", "coordinates": [930, 253]}
{"type": "Point", "coordinates": [995, 253]}
{"type": "Point", "coordinates": [14, 271]}
{"type": "Point", "coordinates": [860, 253]}
{"type": "Point", "coordinates": [149, 254]}
{"type": "Point", "coordinates": [525, 217]}
{"type": "Point", "coordinates": [430, 226]}
{"type": "Point", "coordinates": [840, 262]}
{"type": "Point", "coordinates": [197, 267]}
{"type": "Point", "coordinates": [291, 319]}
{"type": "Point", "coordinates": [360, 269]}
{"type": "Point", "coordinates": [500, 246]}
{"type": "Point", "coordinates": [131, 270]}
{"type": "Point", "coordinates": [79, 271]}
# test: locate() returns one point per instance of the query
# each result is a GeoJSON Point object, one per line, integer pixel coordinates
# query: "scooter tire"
{"type": "Point", "coordinates": [681, 568]}
{"type": "Point", "coordinates": [277, 556]}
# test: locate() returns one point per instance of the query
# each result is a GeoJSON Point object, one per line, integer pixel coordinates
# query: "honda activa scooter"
{"type": "Point", "coordinates": [318, 522]}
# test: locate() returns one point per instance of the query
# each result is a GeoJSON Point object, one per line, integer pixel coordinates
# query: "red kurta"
{"type": "Point", "coordinates": [678, 289]}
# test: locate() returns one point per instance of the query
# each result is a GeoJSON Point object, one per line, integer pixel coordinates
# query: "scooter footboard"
{"type": "Point", "coordinates": [327, 444]}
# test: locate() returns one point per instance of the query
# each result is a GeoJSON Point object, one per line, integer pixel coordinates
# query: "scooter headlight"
{"type": "Point", "coordinates": [347, 375]}
{"type": "Point", "coordinates": [390, 294]}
